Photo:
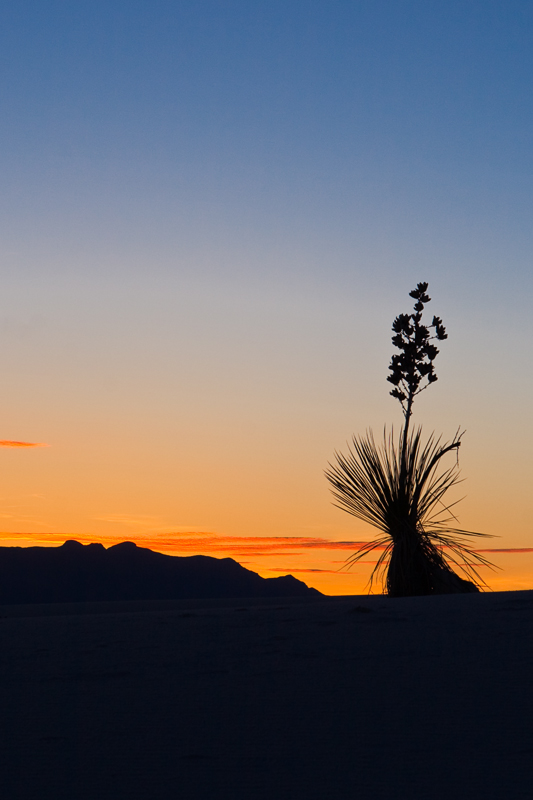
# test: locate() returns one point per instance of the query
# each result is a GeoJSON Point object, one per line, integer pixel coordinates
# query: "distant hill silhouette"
{"type": "Point", "coordinates": [84, 573]}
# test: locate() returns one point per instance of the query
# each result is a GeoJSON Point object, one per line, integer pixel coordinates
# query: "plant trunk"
{"type": "Point", "coordinates": [418, 568]}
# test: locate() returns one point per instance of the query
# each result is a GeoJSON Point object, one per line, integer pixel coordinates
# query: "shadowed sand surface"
{"type": "Point", "coordinates": [354, 697]}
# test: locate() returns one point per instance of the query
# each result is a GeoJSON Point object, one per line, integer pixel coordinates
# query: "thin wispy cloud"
{"type": "Point", "coordinates": [207, 543]}
{"type": "Point", "coordinates": [506, 550]}
{"type": "Point", "coordinates": [11, 443]}
{"type": "Point", "coordinates": [303, 569]}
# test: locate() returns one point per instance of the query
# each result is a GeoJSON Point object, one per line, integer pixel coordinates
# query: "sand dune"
{"type": "Point", "coordinates": [361, 697]}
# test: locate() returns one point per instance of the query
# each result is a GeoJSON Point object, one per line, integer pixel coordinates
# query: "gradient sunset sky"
{"type": "Point", "coordinates": [211, 214]}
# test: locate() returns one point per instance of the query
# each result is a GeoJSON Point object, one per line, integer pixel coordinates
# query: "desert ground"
{"type": "Point", "coordinates": [424, 698]}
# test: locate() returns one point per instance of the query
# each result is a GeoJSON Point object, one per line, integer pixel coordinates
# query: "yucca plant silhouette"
{"type": "Point", "coordinates": [399, 486]}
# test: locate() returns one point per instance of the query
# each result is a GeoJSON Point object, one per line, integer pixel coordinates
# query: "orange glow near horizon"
{"type": "Point", "coordinates": [256, 497]}
{"type": "Point", "coordinates": [106, 490]}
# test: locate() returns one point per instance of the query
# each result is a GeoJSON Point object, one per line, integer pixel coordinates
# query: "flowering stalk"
{"type": "Point", "coordinates": [412, 369]}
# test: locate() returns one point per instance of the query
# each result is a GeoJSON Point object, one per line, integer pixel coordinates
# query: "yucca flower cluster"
{"type": "Point", "coordinates": [414, 363]}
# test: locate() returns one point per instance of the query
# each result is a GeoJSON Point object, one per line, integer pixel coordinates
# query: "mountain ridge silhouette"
{"type": "Point", "coordinates": [74, 572]}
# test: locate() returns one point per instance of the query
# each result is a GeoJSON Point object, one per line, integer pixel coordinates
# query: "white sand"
{"type": "Point", "coordinates": [421, 698]}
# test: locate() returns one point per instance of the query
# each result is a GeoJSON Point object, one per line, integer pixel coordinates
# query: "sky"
{"type": "Point", "coordinates": [211, 212]}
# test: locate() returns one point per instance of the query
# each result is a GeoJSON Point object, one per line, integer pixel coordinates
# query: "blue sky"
{"type": "Point", "coordinates": [270, 116]}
